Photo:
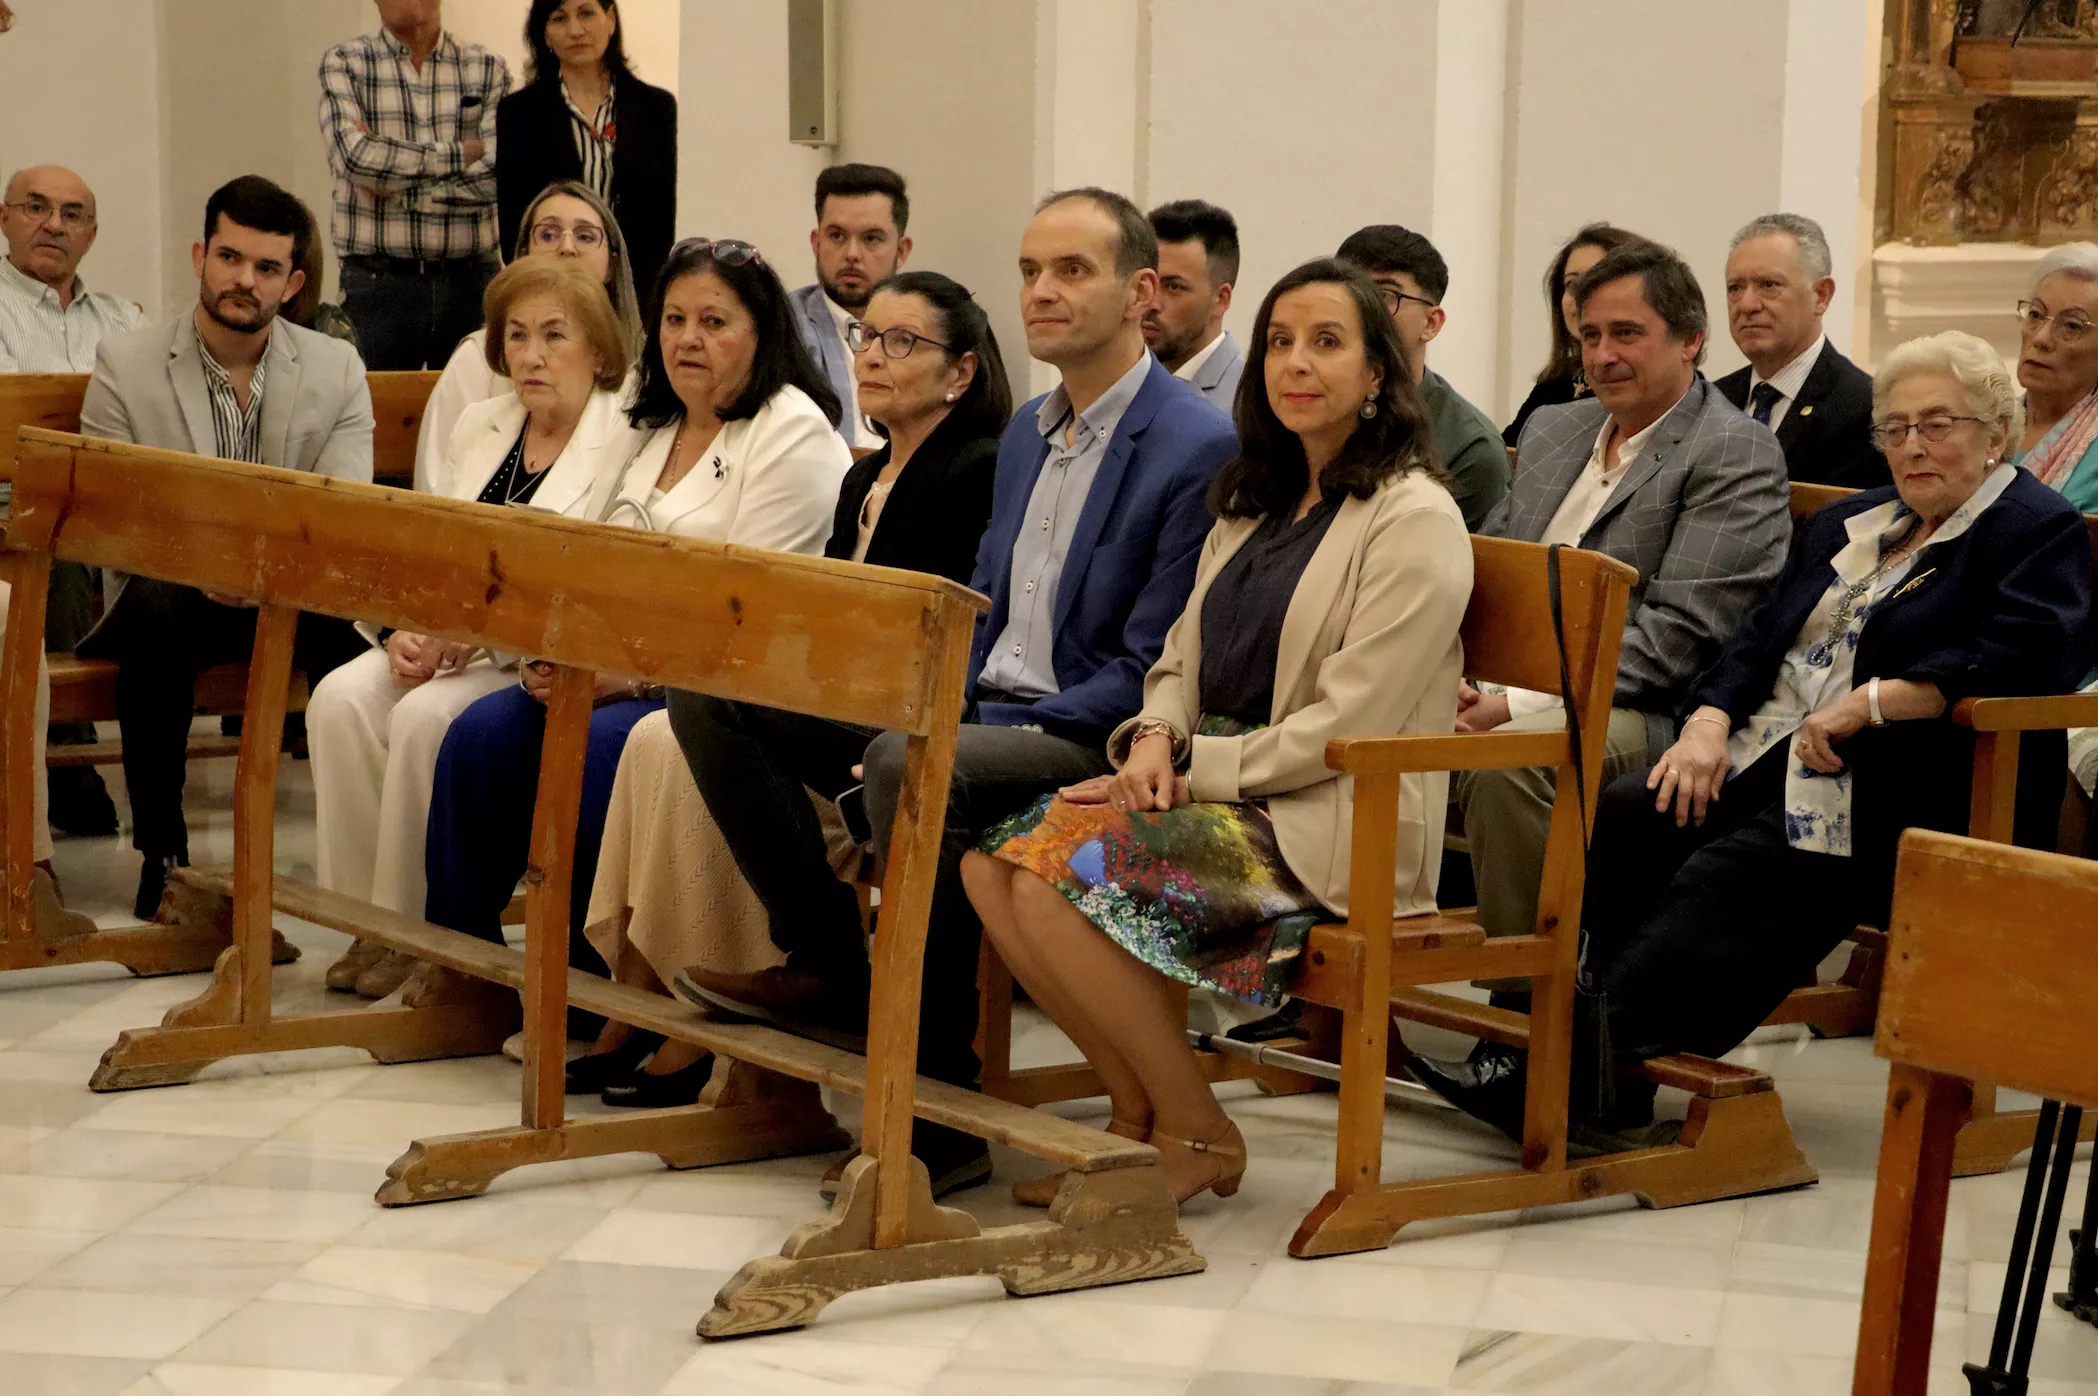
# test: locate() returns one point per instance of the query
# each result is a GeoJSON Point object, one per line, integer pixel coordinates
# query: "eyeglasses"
{"type": "Point", "coordinates": [2071, 325]}
{"type": "Point", "coordinates": [896, 342]}
{"type": "Point", "coordinates": [727, 251]}
{"type": "Point", "coordinates": [1393, 298]}
{"type": "Point", "coordinates": [548, 234]}
{"type": "Point", "coordinates": [73, 217]}
{"type": "Point", "coordinates": [1888, 435]}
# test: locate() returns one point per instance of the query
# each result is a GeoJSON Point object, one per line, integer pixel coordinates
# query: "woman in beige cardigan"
{"type": "Point", "coordinates": [1326, 604]}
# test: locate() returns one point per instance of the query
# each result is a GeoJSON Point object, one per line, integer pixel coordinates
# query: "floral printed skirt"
{"type": "Point", "coordinates": [1199, 893]}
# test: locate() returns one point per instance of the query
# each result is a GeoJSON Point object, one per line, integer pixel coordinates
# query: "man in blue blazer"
{"type": "Point", "coordinates": [1098, 513]}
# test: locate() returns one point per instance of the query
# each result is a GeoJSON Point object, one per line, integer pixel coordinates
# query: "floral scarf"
{"type": "Point", "coordinates": [2059, 451]}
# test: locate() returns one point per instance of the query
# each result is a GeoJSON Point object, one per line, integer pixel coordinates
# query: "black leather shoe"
{"type": "Point", "coordinates": [1488, 1085]}
{"type": "Point", "coordinates": [642, 1091]}
{"type": "Point", "coordinates": [152, 881]}
{"type": "Point", "coordinates": [593, 1071]}
{"type": "Point", "coordinates": [1286, 1021]}
{"type": "Point", "coordinates": [80, 803]}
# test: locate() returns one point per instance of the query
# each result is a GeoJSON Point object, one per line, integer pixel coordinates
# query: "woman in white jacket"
{"type": "Point", "coordinates": [559, 445]}
{"type": "Point", "coordinates": [743, 450]}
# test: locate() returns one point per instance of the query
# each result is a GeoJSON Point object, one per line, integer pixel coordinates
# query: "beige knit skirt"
{"type": "Point", "coordinates": [666, 873]}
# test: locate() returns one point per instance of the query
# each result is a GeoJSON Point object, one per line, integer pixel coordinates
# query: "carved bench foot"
{"type": "Point", "coordinates": [1105, 1228]}
{"type": "Point", "coordinates": [189, 935]}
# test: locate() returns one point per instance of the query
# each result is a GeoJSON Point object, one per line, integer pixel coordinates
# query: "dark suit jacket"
{"type": "Point", "coordinates": [1132, 560]}
{"type": "Point", "coordinates": [2002, 610]}
{"type": "Point", "coordinates": [1827, 431]}
{"type": "Point", "coordinates": [535, 145]}
{"type": "Point", "coordinates": [937, 509]}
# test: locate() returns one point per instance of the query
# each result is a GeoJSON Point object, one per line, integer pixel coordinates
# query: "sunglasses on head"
{"type": "Point", "coordinates": [727, 251]}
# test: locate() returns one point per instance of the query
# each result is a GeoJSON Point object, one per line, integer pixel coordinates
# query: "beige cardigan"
{"type": "Point", "coordinates": [1369, 648]}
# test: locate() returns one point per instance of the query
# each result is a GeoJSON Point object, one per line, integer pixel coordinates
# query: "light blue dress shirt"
{"type": "Point", "coordinates": [1022, 661]}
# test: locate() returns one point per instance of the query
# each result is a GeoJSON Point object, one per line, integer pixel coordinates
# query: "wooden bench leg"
{"type": "Point", "coordinates": [192, 930]}
{"type": "Point", "coordinates": [1908, 1230]}
{"type": "Point", "coordinates": [1104, 1228]}
{"type": "Point", "coordinates": [1992, 1139]}
{"type": "Point", "coordinates": [1729, 1147]}
{"type": "Point", "coordinates": [746, 1113]}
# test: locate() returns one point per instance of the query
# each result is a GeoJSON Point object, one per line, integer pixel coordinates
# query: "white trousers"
{"type": "Point", "coordinates": [40, 800]}
{"type": "Point", "coordinates": [373, 742]}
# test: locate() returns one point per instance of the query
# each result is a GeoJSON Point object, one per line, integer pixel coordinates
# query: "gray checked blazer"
{"type": "Point", "coordinates": [1702, 514]}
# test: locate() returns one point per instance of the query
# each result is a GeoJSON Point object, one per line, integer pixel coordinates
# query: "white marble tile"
{"type": "Point", "coordinates": [14, 1138]}
{"type": "Point", "coordinates": [1545, 1250]}
{"type": "Point", "coordinates": [1748, 1372]}
{"type": "Point", "coordinates": [404, 1279]}
{"type": "Point", "coordinates": [77, 1204]}
{"type": "Point", "coordinates": [1080, 1327]}
{"type": "Point", "coordinates": [26, 1252]}
{"type": "Point", "coordinates": [258, 1214]}
{"type": "Point", "coordinates": [1339, 1349]}
{"type": "Point", "coordinates": [200, 1265]}
{"type": "Point", "coordinates": [96, 1323]}
{"type": "Point", "coordinates": [1538, 1364]}
{"type": "Point", "coordinates": [328, 1338]}
{"type": "Point", "coordinates": [58, 1067]}
{"type": "Point", "coordinates": [640, 1296]}
{"type": "Point", "coordinates": [987, 1374]}
{"type": "Point", "coordinates": [188, 1112]}
{"type": "Point", "coordinates": [634, 1237]}
{"type": "Point", "coordinates": [500, 1228]}
{"type": "Point", "coordinates": [198, 1379]}
{"type": "Point", "coordinates": [716, 1193]}
{"type": "Point", "coordinates": [42, 1374]}
{"type": "Point", "coordinates": [86, 1151]}
{"type": "Point", "coordinates": [789, 1365]}
{"type": "Point", "coordinates": [529, 1352]}
{"type": "Point", "coordinates": [308, 1167]}
{"type": "Point", "coordinates": [1262, 1384]}
{"type": "Point", "coordinates": [1339, 1289]}
{"type": "Point", "coordinates": [1835, 1215]}
{"type": "Point", "coordinates": [379, 1123]}
{"type": "Point", "coordinates": [1601, 1309]}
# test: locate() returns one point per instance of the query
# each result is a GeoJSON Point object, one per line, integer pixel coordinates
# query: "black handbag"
{"type": "Point", "coordinates": [1592, 1087]}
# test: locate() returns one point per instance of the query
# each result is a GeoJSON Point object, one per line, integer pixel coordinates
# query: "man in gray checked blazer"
{"type": "Point", "coordinates": [1660, 471]}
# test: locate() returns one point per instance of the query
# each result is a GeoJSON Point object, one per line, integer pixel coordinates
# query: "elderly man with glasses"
{"type": "Point", "coordinates": [51, 323]}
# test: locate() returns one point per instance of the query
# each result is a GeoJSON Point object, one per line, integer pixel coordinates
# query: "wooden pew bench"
{"type": "Point", "coordinates": [751, 626]}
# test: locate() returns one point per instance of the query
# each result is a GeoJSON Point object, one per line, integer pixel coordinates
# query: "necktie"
{"type": "Point", "coordinates": [1761, 400]}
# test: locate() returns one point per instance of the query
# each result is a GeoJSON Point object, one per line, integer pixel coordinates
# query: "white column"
{"type": "Point", "coordinates": [1471, 74]}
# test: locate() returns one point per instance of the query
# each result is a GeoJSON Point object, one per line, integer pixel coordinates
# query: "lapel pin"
{"type": "Point", "coordinates": [1807, 410]}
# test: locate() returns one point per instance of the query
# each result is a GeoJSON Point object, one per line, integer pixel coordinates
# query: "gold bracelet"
{"type": "Point", "coordinates": [1707, 717]}
{"type": "Point", "coordinates": [1155, 727]}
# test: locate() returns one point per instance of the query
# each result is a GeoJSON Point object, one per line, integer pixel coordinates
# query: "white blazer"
{"type": "Point", "coordinates": [581, 478]}
{"type": "Point", "coordinates": [466, 380]}
{"type": "Point", "coordinates": [768, 481]}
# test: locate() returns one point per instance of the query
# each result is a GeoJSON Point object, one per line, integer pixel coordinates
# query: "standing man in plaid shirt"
{"type": "Point", "coordinates": [408, 115]}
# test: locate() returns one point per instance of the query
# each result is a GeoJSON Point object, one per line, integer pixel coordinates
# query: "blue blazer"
{"type": "Point", "coordinates": [2004, 610]}
{"type": "Point", "coordinates": [1131, 563]}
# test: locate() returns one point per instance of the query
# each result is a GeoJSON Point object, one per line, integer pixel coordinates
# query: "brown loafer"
{"type": "Point", "coordinates": [429, 986]}
{"type": "Point", "coordinates": [361, 956]}
{"type": "Point", "coordinates": [386, 974]}
{"type": "Point", "coordinates": [830, 1011]}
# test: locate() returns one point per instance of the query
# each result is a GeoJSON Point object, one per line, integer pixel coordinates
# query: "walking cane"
{"type": "Point", "coordinates": [2039, 1218]}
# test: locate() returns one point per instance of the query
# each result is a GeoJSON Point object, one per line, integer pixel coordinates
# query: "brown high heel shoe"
{"type": "Point", "coordinates": [1040, 1192]}
{"type": "Point", "coordinates": [1229, 1149]}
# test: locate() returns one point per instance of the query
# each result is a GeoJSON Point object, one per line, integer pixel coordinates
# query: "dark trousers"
{"type": "Point", "coordinates": [161, 634]}
{"type": "Point", "coordinates": [480, 830]}
{"type": "Point", "coordinates": [754, 767]}
{"type": "Point", "coordinates": [411, 314]}
{"type": "Point", "coordinates": [997, 771]}
{"type": "Point", "coordinates": [1697, 933]}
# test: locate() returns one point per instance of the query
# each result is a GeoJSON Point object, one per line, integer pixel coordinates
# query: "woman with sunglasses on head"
{"type": "Point", "coordinates": [566, 220]}
{"type": "Point", "coordinates": [1719, 879]}
{"type": "Point", "coordinates": [672, 893]}
{"type": "Point", "coordinates": [742, 448]}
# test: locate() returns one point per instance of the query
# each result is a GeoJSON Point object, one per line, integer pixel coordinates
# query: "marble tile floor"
{"type": "Point", "coordinates": [219, 1239]}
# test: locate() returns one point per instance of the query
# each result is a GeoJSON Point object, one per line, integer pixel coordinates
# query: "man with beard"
{"type": "Point", "coordinates": [859, 240]}
{"type": "Point", "coordinates": [231, 380]}
{"type": "Point", "coordinates": [50, 322]}
{"type": "Point", "coordinates": [1660, 471]}
{"type": "Point", "coordinates": [1197, 267]}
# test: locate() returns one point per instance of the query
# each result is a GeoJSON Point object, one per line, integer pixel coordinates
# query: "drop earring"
{"type": "Point", "coordinates": [1369, 408]}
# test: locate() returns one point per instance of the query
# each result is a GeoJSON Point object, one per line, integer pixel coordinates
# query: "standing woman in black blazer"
{"type": "Point", "coordinates": [585, 116]}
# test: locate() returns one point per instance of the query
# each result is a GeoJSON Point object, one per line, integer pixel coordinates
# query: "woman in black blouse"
{"type": "Point", "coordinates": [1561, 380]}
{"type": "Point", "coordinates": [585, 116]}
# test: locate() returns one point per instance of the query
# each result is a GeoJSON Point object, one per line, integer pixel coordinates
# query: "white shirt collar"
{"type": "Point", "coordinates": [1630, 448]}
{"type": "Point", "coordinates": [1793, 376]}
{"type": "Point", "coordinates": [29, 286]}
{"type": "Point", "coordinates": [839, 315]}
{"type": "Point", "coordinates": [1193, 366]}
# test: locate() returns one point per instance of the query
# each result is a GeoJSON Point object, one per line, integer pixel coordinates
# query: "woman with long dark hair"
{"type": "Point", "coordinates": [1326, 604]}
{"type": "Point", "coordinates": [1560, 379]}
{"type": "Point", "coordinates": [584, 116]}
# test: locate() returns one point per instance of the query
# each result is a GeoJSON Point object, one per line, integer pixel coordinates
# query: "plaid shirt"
{"type": "Point", "coordinates": [403, 187]}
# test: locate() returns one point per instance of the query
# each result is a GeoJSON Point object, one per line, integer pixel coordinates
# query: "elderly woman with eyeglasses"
{"type": "Point", "coordinates": [1722, 877]}
{"type": "Point", "coordinates": [2058, 368]}
{"type": "Point", "coordinates": [742, 448]}
{"type": "Point", "coordinates": [568, 219]}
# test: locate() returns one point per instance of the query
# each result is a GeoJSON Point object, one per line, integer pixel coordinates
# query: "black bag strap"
{"type": "Point", "coordinates": [1566, 697]}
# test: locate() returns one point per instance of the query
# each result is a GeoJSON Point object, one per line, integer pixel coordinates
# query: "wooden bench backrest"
{"type": "Point", "coordinates": [1808, 499]}
{"type": "Point", "coordinates": [52, 401]}
{"type": "Point", "coordinates": [1508, 582]}
{"type": "Point", "coordinates": [1992, 972]}
{"type": "Point", "coordinates": [762, 627]}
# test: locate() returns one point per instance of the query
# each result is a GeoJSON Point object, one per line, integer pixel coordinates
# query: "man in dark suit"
{"type": "Point", "coordinates": [1778, 286]}
{"type": "Point", "coordinates": [1098, 513]}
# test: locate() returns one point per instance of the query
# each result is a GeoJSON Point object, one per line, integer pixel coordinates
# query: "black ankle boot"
{"type": "Point", "coordinates": [153, 880]}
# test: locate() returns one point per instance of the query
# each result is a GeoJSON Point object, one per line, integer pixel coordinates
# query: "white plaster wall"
{"type": "Point", "coordinates": [1471, 73]}
{"type": "Point", "coordinates": [99, 118]}
{"type": "Point", "coordinates": [1667, 119]}
{"type": "Point", "coordinates": [1828, 105]}
{"type": "Point", "coordinates": [1306, 121]}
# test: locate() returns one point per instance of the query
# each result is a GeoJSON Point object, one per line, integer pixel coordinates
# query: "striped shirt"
{"type": "Point", "coordinates": [594, 139]}
{"type": "Point", "coordinates": [239, 432]}
{"type": "Point", "coordinates": [403, 186]}
{"type": "Point", "coordinates": [37, 336]}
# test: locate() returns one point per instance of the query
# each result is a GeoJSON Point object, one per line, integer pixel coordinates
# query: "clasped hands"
{"type": "Point", "coordinates": [536, 677]}
{"type": "Point", "coordinates": [1147, 781]}
{"type": "Point", "coordinates": [415, 659]}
